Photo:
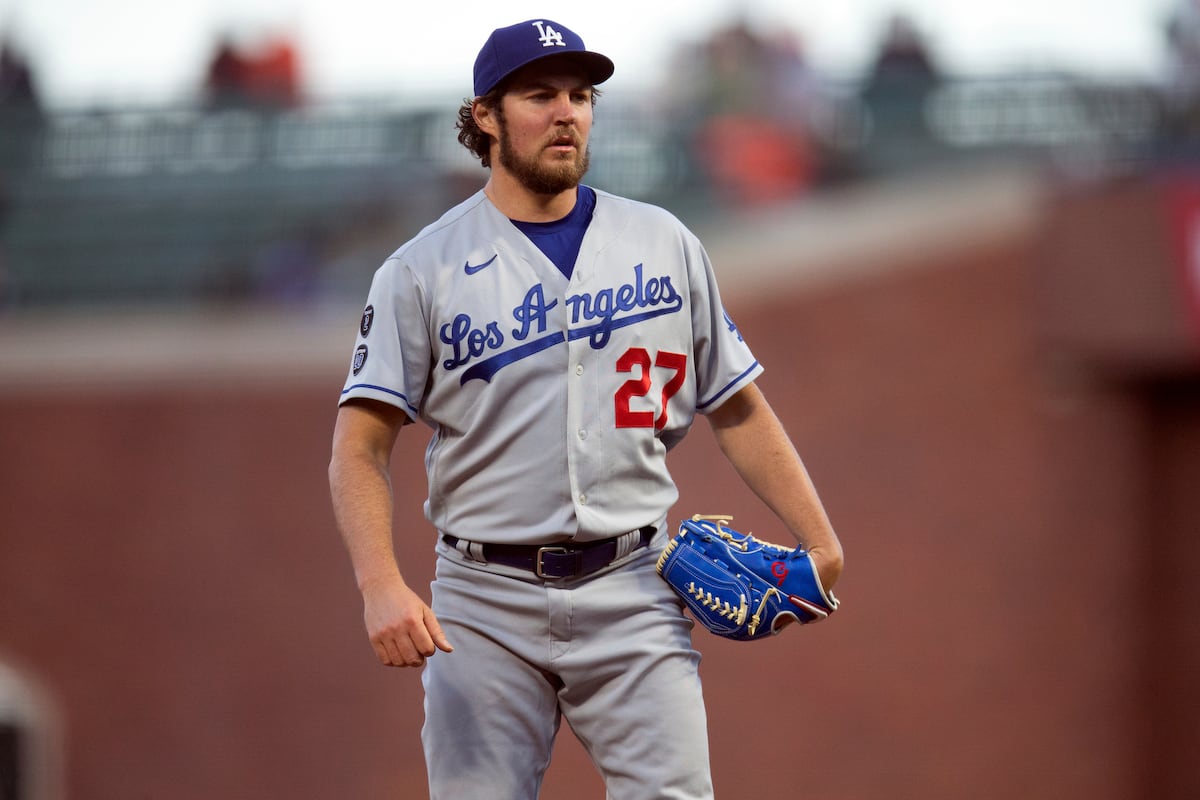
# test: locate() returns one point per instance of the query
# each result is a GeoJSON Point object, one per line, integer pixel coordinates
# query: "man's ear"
{"type": "Point", "coordinates": [485, 118]}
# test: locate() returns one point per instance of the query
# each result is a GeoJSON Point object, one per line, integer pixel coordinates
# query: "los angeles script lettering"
{"type": "Point", "coordinates": [590, 316]}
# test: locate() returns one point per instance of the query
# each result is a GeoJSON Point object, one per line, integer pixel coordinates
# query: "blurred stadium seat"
{"type": "Point", "coordinates": [120, 206]}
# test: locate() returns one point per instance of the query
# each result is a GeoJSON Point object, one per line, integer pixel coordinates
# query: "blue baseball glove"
{"type": "Point", "coordinates": [740, 587]}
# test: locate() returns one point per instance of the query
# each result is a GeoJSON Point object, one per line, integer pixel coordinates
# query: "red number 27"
{"type": "Point", "coordinates": [637, 360]}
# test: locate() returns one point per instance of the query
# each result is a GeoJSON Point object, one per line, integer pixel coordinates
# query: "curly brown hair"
{"type": "Point", "coordinates": [472, 137]}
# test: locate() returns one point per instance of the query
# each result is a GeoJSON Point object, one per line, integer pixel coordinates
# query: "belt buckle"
{"type": "Point", "coordinates": [537, 562]}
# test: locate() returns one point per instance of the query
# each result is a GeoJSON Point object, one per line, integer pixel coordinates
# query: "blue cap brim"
{"type": "Point", "coordinates": [597, 67]}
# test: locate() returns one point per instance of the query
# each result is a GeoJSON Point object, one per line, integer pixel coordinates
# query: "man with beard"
{"type": "Point", "coordinates": [558, 341]}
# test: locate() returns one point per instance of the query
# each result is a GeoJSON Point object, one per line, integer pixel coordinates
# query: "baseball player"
{"type": "Point", "coordinates": [557, 341]}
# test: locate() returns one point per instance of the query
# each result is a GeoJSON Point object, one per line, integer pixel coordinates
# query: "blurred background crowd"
{"type": "Point", "coordinates": [252, 189]}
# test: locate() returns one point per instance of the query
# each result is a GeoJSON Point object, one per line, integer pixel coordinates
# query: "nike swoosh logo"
{"type": "Point", "coordinates": [471, 269]}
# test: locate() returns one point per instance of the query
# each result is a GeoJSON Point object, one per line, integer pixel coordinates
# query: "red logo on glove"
{"type": "Point", "coordinates": [779, 570]}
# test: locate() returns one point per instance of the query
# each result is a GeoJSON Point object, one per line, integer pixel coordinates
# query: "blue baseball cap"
{"type": "Point", "coordinates": [509, 49]}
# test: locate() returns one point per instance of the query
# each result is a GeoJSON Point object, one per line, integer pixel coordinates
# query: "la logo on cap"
{"type": "Point", "coordinates": [549, 37]}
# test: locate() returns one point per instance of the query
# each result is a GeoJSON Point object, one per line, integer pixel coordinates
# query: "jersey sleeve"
{"type": "Point", "coordinates": [724, 362]}
{"type": "Point", "coordinates": [390, 362]}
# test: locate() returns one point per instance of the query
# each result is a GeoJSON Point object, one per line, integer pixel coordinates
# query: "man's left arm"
{"type": "Point", "coordinates": [755, 442]}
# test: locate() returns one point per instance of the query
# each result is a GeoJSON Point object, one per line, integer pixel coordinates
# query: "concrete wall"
{"type": "Point", "coordinates": [1016, 506]}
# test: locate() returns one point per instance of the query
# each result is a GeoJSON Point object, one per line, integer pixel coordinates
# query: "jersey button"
{"type": "Point", "coordinates": [579, 369]}
{"type": "Point", "coordinates": [582, 433]}
{"type": "Point", "coordinates": [583, 499]}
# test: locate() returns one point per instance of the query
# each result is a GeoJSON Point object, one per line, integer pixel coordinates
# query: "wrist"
{"type": "Point", "coordinates": [374, 579]}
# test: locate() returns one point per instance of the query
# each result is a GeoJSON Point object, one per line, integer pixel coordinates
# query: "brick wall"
{"type": "Point", "coordinates": [1017, 512]}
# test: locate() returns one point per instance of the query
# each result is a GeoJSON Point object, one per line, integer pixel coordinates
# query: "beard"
{"type": "Point", "coordinates": [539, 177]}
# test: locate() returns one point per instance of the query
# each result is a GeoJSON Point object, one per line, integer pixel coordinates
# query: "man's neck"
{"type": "Point", "coordinates": [516, 202]}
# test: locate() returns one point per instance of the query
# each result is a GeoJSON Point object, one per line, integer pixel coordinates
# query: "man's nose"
{"type": "Point", "coordinates": [564, 109]}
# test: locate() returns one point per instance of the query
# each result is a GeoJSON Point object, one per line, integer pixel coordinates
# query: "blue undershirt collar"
{"type": "Point", "coordinates": [560, 240]}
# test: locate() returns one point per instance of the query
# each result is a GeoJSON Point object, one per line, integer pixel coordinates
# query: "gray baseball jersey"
{"type": "Point", "coordinates": [553, 402]}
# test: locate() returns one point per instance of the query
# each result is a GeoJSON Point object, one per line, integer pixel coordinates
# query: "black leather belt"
{"type": "Point", "coordinates": [558, 560]}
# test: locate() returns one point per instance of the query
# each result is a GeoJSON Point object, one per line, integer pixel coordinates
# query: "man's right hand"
{"type": "Point", "coordinates": [402, 628]}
